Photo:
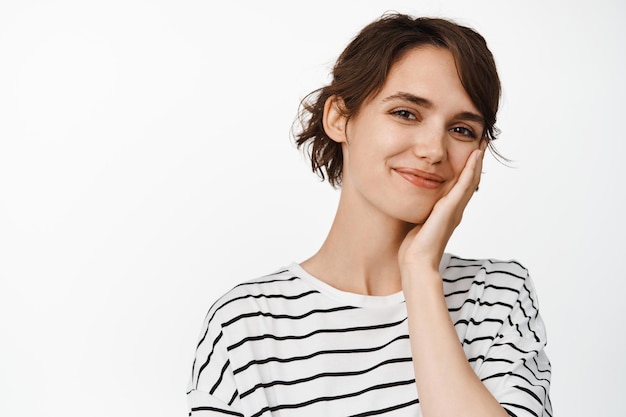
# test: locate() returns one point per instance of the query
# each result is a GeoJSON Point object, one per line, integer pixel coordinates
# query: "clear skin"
{"type": "Point", "coordinates": [412, 160]}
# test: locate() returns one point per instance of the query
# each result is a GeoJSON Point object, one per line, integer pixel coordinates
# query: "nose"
{"type": "Point", "coordinates": [430, 144]}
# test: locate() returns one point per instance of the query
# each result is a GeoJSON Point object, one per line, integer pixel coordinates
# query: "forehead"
{"type": "Point", "coordinates": [429, 72]}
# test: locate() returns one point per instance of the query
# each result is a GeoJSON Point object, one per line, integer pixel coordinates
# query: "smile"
{"type": "Point", "coordinates": [420, 179]}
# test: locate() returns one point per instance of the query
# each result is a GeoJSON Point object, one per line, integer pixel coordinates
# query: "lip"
{"type": "Point", "coordinates": [420, 178]}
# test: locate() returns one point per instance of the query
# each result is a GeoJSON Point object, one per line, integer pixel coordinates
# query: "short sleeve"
{"type": "Point", "coordinates": [516, 369]}
{"type": "Point", "coordinates": [212, 390]}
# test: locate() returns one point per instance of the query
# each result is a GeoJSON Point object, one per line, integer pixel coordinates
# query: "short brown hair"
{"type": "Point", "coordinates": [362, 68]}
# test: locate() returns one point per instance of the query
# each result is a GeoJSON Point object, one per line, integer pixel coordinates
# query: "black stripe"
{"type": "Point", "coordinates": [515, 326]}
{"type": "Point", "coordinates": [499, 271]}
{"type": "Point", "coordinates": [338, 397]}
{"type": "Point", "coordinates": [520, 406]}
{"type": "Point", "coordinates": [219, 410]}
{"type": "Point", "coordinates": [477, 265]}
{"type": "Point", "coordinates": [529, 392]}
{"type": "Point", "coordinates": [207, 327]}
{"type": "Point", "coordinates": [532, 372]}
{"type": "Point", "coordinates": [496, 262]}
{"type": "Point", "coordinates": [548, 406]}
{"type": "Point", "coordinates": [479, 283]}
{"type": "Point", "coordinates": [219, 380]}
{"type": "Point", "coordinates": [526, 315]}
{"type": "Point", "coordinates": [509, 412]}
{"type": "Point", "coordinates": [465, 291]}
{"type": "Point", "coordinates": [480, 303]}
{"type": "Point", "coordinates": [193, 368]}
{"type": "Point", "coordinates": [321, 352]}
{"type": "Point", "coordinates": [269, 281]}
{"type": "Point", "coordinates": [513, 374]}
{"type": "Point", "coordinates": [286, 316]}
{"type": "Point", "coordinates": [477, 323]}
{"type": "Point", "coordinates": [292, 297]}
{"type": "Point", "coordinates": [499, 360]}
{"type": "Point", "coordinates": [482, 358]}
{"type": "Point", "coordinates": [269, 296]}
{"type": "Point", "coordinates": [477, 339]}
{"type": "Point", "coordinates": [458, 258]}
{"type": "Point", "coordinates": [343, 330]}
{"type": "Point", "coordinates": [532, 300]}
{"type": "Point", "coordinates": [324, 375]}
{"type": "Point", "coordinates": [232, 399]}
{"type": "Point", "coordinates": [451, 280]}
{"type": "Point", "coordinates": [541, 370]}
{"type": "Point", "coordinates": [282, 271]}
{"type": "Point", "coordinates": [481, 262]}
{"type": "Point", "coordinates": [386, 410]}
{"type": "Point", "coordinates": [204, 365]}
{"type": "Point", "coordinates": [516, 347]}
{"type": "Point", "coordinates": [503, 288]}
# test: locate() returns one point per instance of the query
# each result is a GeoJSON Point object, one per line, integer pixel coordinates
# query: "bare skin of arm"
{"type": "Point", "coordinates": [447, 385]}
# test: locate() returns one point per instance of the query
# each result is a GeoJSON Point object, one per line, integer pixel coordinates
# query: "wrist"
{"type": "Point", "coordinates": [423, 278]}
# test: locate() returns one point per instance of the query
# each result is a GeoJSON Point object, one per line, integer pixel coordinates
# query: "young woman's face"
{"type": "Point", "coordinates": [407, 145]}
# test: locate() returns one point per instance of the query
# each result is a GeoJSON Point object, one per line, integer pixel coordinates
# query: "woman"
{"type": "Point", "coordinates": [371, 323]}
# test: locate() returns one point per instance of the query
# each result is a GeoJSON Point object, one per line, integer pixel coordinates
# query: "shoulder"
{"type": "Point", "coordinates": [281, 285]}
{"type": "Point", "coordinates": [460, 272]}
{"type": "Point", "coordinates": [456, 266]}
{"type": "Point", "coordinates": [495, 291]}
{"type": "Point", "coordinates": [487, 283]}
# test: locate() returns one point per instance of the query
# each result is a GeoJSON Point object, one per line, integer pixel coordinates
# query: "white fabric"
{"type": "Point", "coordinates": [287, 344]}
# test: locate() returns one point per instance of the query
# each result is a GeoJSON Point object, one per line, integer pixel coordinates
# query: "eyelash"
{"type": "Point", "coordinates": [469, 133]}
{"type": "Point", "coordinates": [409, 115]}
{"type": "Point", "coordinates": [404, 114]}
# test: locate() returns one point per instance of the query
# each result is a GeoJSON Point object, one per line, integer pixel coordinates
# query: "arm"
{"type": "Point", "coordinates": [446, 383]}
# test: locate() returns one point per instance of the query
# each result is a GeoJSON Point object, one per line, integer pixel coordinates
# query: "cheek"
{"type": "Point", "coordinates": [458, 158]}
{"type": "Point", "coordinates": [371, 148]}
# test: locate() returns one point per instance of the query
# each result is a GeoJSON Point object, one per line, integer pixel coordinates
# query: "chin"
{"type": "Point", "coordinates": [413, 209]}
{"type": "Point", "coordinates": [414, 218]}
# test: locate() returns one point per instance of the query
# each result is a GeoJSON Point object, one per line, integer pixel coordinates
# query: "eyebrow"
{"type": "Point", "coordinates": [420, 101]}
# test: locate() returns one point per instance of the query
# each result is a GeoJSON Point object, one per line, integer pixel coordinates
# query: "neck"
{"type": "Point", "coordinates": [360, 253]}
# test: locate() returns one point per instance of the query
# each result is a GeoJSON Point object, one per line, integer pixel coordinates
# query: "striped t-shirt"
{"type": "Point", "coordinates": [288, 344]}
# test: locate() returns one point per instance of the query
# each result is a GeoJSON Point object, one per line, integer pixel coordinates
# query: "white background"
{"type": "Point", "coordinates": [146, 167]}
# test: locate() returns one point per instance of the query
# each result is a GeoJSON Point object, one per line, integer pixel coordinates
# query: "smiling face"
{"type": "Point", "coordinates": [407, 145]}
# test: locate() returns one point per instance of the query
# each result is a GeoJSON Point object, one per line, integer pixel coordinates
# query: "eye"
{"type": "Point", "coordinates": [404, 114]}
{"type": "Point", "coordinates": [465, 132]}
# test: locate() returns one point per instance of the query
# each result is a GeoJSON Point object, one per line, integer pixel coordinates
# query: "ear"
{"type": "Point", "coordinates": [334, 120]}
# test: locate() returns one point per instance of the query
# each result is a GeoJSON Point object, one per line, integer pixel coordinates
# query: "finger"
{"type": "Point", "coordinates": [479, 165]}
{"type": "Point", "coordinates": [470, 175]}
{"type": "Point", "coordinates": [484, 143]}
{"type": "Point", "coordinates": [453, 204]}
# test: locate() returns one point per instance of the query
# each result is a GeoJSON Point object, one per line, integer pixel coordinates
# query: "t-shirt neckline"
{"type": "Point", "coordinates": [354, 299]}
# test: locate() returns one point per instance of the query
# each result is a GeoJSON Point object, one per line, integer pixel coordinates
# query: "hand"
{"type": "Point", "coordinates": [424, 245]}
